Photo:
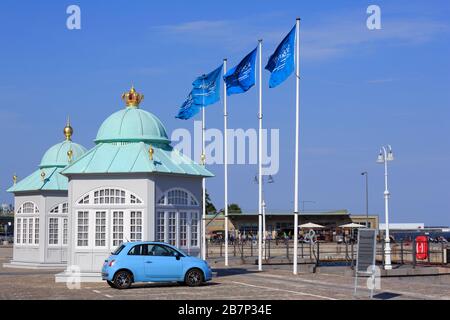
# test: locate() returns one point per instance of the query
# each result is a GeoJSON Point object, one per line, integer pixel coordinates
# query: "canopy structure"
{"type": "Point", "coordinates": [310, 225]}
{"type": "Point", "coordinates": [352, 226]}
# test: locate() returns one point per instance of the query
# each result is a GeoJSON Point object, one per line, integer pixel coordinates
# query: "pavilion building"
{"type": "Point", "coordinates": [41, 209]}
{"type": "Point", "coordinates": [132, 186]}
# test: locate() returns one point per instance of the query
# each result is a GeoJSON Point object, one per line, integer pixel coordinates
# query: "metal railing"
{"type": "Point", "coordinates": [281, 251]}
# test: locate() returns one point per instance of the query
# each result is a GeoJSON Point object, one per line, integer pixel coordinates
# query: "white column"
{"type": "Point", "coordinates": [260, 182]}
{"type": "Point", "coordinates": [203, 159]}
{"type": "Point", "coordinates": [387, 240]}
{"type": "Point", "coordinates": [297, 119]}
{"type": "Point", "coordinates": [225, 144]}
{"type": "Point", "coordinates": [264, 228]}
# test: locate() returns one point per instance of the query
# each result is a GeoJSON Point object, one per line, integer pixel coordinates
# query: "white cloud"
{"type": "Point", "coordinates": [334, 37]}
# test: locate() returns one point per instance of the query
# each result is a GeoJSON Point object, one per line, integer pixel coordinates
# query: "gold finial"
{"type": "Point", "coordinates": [68, 131]}
{"type": "Point", "coordinates": [43, 175]}
{"type": "Point", "coordinates": [151, 152]}
{"type": "Point", "coordinates": [15, 179]}
{"type": "Point", "coordinates": [70, 155]}
{"type": "Point", "coordinates": [132, 98]}
{"type": "Point", "coordinates": [203, 159]}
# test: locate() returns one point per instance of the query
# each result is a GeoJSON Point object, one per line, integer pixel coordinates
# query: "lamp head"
{"type": "Point", "coordinates": [390, 155]}
{"type": "Point", "coordinates": [380, 158]}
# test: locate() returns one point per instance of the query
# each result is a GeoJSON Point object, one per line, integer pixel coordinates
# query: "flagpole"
{"type": "Point", "coordinates": [203, 159]}
{"type": "Point", "coordinates": [297, 114]}
{"type": "Point", "coordinates": [225, 144]}
{"type": "Point", "coordinates": [260, 182]}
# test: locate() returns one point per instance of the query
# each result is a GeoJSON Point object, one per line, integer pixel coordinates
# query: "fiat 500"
{"type": "Point", "coordinates": [153, 262]}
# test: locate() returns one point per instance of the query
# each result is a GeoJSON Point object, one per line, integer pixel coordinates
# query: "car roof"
{"type": "Point", "coordinates": [145, 242]}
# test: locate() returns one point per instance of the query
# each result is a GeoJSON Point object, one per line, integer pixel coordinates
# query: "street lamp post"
{"type": "Point", "coordinates": [384, 157]}
{"type": "Point", "coordinates": [365, 173]}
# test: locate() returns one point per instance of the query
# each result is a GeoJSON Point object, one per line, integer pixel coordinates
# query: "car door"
{"type": "Point", "coordinates": [135, 262]}
{"type": "Point", "coordinates": [161, 264]}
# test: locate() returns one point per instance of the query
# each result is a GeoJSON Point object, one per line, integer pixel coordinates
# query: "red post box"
{"type": "Point", "coordinates": [421, 247]}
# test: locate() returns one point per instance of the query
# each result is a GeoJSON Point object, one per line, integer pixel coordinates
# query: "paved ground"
{"type": "Point", "coordinates": [242, 282]}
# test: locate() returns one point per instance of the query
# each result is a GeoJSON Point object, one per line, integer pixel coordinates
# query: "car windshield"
{"type": "Point", "coordinates": [117, 251]}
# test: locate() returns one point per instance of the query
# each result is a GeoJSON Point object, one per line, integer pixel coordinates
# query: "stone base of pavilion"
{"type": "Point", "coordinates": [34, 265]}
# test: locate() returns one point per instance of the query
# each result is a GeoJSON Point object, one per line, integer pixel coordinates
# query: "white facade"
{"type": "Point", "coordinates": [106, 210]}
{"type": "Point", "coordinates": [41, 221]}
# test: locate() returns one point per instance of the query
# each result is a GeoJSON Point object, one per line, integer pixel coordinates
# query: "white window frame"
{"type": "Point", "coordinates": [100, 215]}
{"type": "Point", "coordinates": [53, 237]}
{"type": "Point", "coordinates": [191, 199]}
{"type": "Point", "coordinates": [99, 194]}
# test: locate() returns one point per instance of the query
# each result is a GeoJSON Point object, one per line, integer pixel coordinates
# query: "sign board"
{"type": "Point", "coordinates": [367, 242]}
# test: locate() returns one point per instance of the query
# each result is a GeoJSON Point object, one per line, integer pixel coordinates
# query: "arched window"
{"type": "Point", "coordinates": [27, 226]}
{"type": "Point", "coordinates": [177, 219]}
{"type": "Point", "coordinates": [60, 208]}
{"type": "Point", "coordinates": [109, 196]}
{"type": "Point", "coordinates": [178, 197]}
{"type": "Point", "coordinates": [28, 207]}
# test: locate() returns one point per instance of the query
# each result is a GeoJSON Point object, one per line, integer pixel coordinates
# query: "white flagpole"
{"type": "Point", "coordinates": [225, 144]}
{"type": "Point", "coordinates": [203, 159]}
{"type": "Point", "coordinates": [297, 114]}
{"type": "Point", "coordinates": [260, 182]}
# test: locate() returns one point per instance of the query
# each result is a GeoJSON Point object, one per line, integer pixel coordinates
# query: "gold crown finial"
{"type": "Point", "coordinates": [15, 178]}
{"type": "Point", "coordinates": [68, 131]}
{"type": "Point", "coordinates": [132, 98]}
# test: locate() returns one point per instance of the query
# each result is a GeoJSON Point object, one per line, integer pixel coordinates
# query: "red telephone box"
{"type": "Point", "coordinates": [421, 247]}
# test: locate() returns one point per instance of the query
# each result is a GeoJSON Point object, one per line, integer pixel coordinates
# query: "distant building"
{"type": "Point", "coordinates": [403, 226]}
{"type": "Point", "coordinates": [283, 221]}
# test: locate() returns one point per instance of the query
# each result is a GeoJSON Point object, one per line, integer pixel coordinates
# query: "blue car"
{"type": "Point", "coordinates": [153, 262]}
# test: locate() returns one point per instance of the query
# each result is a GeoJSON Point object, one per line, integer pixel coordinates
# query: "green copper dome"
{"type": "Point", "coordinates": [132, 124]}
{"type": "Point", "coordinates": [59, 154]}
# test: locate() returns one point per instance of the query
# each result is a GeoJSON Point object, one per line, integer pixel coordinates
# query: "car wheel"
{"type": "Point", "coordinates": [194, 278]}
{"type": "Point", "coordinates": [122, 280]}
{"type": "Point", "coordinates": [111, 284]}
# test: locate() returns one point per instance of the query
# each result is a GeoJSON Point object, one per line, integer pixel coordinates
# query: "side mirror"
{"type": "Point", "coordinates": [177, 256]}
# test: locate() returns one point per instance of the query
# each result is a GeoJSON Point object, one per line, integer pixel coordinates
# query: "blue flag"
{"type": "Point", "coordinates": [242, 77]}
{"type": "Point", "coordinates": [207, 88]}
{"type": "Point", "coordinates": [188, 109]}
{"type": "Point", "coordinates": [281, 62]}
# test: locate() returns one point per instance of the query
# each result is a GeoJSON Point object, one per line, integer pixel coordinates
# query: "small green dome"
{"type": "Point", "coordinates": [58, 155]}
{"type": "Point", "coordinates": [132, 124]}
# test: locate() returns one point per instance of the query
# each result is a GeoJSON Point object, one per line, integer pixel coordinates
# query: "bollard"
{"type": "Point", "coordinates": [318, 254]}
{"type": "Point", "coordinates": [353, 253]}
{"type": "Point", "coordinates": [287, 249]}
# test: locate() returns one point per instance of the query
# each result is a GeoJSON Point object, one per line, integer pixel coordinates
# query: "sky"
{"type": "Point", "coordinates": [360, 89]}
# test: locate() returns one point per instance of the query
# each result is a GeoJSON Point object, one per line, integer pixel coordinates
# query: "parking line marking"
{"type": "Point", "coordinates": [290, 291]}
{"type": "Point", "coordinates": [108, 296]}
{"type": "Point", "coordinates": [96, 291]}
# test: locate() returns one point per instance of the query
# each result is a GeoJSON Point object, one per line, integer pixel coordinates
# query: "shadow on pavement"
{"type": "Point", "coordinates": [233, 271]}
{"type": "Point", "coordinates": [386, 295]}
{"type": "Point", "coordinates": [167, 285]}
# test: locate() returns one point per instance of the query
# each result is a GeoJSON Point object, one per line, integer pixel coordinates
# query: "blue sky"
{"type": "Point", "coordinates": [360, 89]}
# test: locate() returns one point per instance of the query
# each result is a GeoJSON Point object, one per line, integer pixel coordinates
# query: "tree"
{"type": "Point", "coordinates": [232, 208]}
{"type": "Point", "coordinates": [210, 208]}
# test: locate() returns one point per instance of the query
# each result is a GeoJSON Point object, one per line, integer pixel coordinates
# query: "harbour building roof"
{"type": "Point", "coordinates": [133, 140]}
{"type": "Point", "coordinates": [55, 159]}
